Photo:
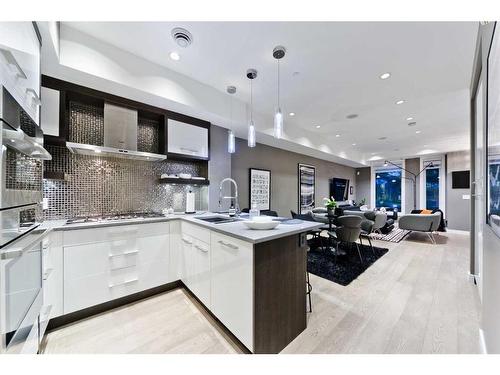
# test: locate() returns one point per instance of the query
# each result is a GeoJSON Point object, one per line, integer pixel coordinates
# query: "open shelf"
{"type": "Point", "coordinates": [184, 181]}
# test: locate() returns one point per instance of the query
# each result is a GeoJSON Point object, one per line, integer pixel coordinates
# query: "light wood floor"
{"type": "Point", "coordinates": [415, 299]}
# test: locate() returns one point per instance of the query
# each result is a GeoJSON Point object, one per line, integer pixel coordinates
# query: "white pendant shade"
{"type": "Point", "coordinates": [278, 124]}
{"type": "Point", "coordinates": [251, 134]}
{"type": "Point", "coordinates": [231, 146]}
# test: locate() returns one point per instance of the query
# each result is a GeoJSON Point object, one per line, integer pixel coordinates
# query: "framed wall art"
{"type": "Point", "coordinates": [260, 188]}
{"type": "Point", "coordinates": [307, 188]}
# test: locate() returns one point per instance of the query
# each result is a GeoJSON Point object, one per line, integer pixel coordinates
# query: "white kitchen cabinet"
{"type": "Point", "coordinates": [103, 264]}
{"type": "Point", "coordinates": [50, 112]}
{"type": "Point", "coordinates": [232, 285]}
{"type": "Point", "coordinates": [53, 274]}
{"type": "Point", "coordinates": [201, 279]}
{"type": "Point", "coordinates": [177, 263]}
{"type": "Point", "coordinates": [187, 139]}
{"type": "Point", "coordinates": [20, 65]}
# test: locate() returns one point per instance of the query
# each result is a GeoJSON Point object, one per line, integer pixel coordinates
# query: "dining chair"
{"type": "Point", "coordinates": [348, 231]}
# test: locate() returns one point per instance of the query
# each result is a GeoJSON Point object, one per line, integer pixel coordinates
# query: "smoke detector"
{"type": "Point", "coordinates": [182, 37]}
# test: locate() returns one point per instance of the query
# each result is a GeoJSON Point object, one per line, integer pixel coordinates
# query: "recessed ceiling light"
{"type": "Point", "coordinates": [412, 123]}
{"type": "Point", "coordinates": [337, 135]}
{"type": "Point", "coordinates": [292, 113]}
{"type": "Point", "coordinates": [354, 144]}
{"type": "Point", "coordinates": [382, 138]}
{"type": "Point", "coordinates": [401, 101]}
{"type": "Point", "coordinates": [409, 118]}
{"type": "Point", "coordinates": [175, 56]}
{"type": "Point", "coordinates": [385, 75]}
{"type": "Point", "coordinates": [295, 74]}
{"type": "Point", "coordinates": [318, 126]}
{"type": "Point", "coordinates": [417, 131]}
{"type": "Point", "coordinates": [351, 116]}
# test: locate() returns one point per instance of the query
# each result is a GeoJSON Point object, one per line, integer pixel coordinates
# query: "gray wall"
{"type": "Point", "coordinates": [457, 209]}
{"type": "Point", "coordinates": [363, 188]}
{"type": "Point", "coordinates": [219, 166]}
{"type": "Point", "coordinates": [413, 165]}
{"type": "Point", "coordinates": [283, 167]}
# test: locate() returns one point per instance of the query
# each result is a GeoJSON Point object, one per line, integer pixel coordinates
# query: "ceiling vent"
{"type": "Point", "coordinates": [182, 37]}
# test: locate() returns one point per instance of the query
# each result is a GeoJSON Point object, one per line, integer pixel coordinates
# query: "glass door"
{"type": "Point", "coordinates": [479, 186]}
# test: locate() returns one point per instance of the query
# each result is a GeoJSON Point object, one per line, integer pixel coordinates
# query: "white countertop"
{"type": "Point", "coordinates": [235, 229]}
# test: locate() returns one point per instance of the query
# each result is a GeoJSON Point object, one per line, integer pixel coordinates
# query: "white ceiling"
{"type": "Point", "coordinates": [338, 65]}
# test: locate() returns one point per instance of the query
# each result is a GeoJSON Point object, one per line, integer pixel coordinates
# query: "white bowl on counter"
{"type": "Point", "coordinates": [261, 223]}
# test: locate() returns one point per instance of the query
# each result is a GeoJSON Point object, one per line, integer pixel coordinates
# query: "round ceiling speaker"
{"type": "Point", "coordinates": [279, 52]}
{"type": "Point", "coordinates": [251, 73]}
{"type": "Point", "coordinates": [182, 37]}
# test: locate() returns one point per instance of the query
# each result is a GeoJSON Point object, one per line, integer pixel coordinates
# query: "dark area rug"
{"type": "Point", "coordinates": [347, 268]}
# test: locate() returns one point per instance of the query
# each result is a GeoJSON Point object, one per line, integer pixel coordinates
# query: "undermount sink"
{"type": "Point", "coordinates": [218, 219]}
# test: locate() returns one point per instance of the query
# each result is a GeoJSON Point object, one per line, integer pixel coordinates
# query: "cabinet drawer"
{"type": "Point", "coordinates": [90, 259]}
{"type": "Point", "coordinates": [115, 232]}
{"type": "Point", "coordinates": [80, 293]}
{"type": "Point", "coordinates": [196, 232]}
{"type": "Point", "coordinates": [95, 289]}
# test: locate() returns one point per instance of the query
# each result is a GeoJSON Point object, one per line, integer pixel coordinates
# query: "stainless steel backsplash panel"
{"type": "Point", "coordinates": [102, 185]}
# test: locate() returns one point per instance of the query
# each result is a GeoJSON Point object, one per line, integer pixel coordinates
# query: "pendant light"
{"type": "Point", "coordinates": [251, 75]}
{"type": "Point", "coordinates": [231, 146]}
{"type": "Point", "coordinates": [278, 54]}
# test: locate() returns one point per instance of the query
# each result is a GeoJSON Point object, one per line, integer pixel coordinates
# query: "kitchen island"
{"type": "Point", "coordinates": [253, 282]}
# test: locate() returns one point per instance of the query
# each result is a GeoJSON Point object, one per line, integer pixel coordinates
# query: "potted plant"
{"type": "Point", "coordinates": [330, 205]}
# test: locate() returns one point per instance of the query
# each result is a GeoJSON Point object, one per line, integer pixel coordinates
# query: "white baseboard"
{"type": "Point", "coordinates": [458, 231]}
{"type": "Point", "coordinates": [482, 342]}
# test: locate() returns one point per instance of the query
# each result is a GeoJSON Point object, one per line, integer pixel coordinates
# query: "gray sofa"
{"type": "Point", "coordinates": [427, 223]}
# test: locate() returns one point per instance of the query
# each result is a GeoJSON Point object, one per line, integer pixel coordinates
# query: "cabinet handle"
{"type": "Point", "coordinates": [47, 273]}
{"type": "Point", "coordinates": [11, 59]}
{"type": "Point", "coordinates": [231, 246]}
{"type": "Point", "coordinates": [189, 150]}
{"type": "Point", "coordinates": [36, 98]}
{"type": "Point", "coordinates": [124, 254]}
{"type": "Point", "coordinates": [201, 248]}
{"type": "Point", "coordinates": [123, 283]}
{"type": "Point", "coordinates": [187, 241]}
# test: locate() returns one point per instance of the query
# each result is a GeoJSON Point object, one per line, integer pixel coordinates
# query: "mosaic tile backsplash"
{"type": "Point", "coordinates": [96, 185]}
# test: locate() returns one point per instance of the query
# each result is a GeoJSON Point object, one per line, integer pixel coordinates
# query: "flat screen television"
{"type": "Point", "coordinates": [339, 189]}
{"type": "Point", "coordinates": [460, 180]}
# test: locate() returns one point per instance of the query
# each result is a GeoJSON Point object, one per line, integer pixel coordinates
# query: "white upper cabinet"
{"type": "Point", "coordinates": [187, 139]}
{"type": "Point", "coordinates": [50, 112]}
{"type": "Point", "coordinates": [20, 65]}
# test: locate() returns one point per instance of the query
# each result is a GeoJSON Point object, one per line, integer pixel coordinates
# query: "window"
{"type": "Point", "coordinates": [432, 188]}
{"type": "Point", "coordinates": [388, 189]}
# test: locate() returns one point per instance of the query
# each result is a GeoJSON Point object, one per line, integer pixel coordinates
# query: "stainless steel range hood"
{"type": "Point", "coordinates": [120, 137]}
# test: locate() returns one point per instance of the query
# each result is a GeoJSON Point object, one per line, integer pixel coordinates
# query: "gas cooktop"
{"type": "Point", "coordinates": [114, 217]}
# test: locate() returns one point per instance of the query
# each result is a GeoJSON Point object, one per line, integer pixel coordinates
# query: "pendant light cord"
{"type": "Point", "coordinates": [251, 100]}
{"type": "Point", "coordinates": [278, 83]}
